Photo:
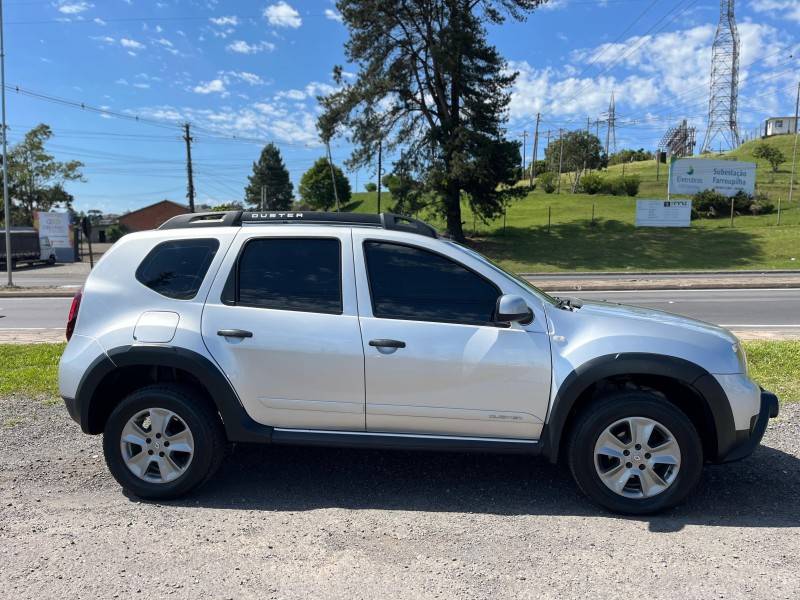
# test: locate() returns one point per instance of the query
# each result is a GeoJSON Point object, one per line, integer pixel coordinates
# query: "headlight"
{"type": "Point", "coordinates": [740, 353]}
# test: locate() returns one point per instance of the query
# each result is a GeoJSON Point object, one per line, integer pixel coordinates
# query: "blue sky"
{"type": "Point", "coordinates": [253, 69]}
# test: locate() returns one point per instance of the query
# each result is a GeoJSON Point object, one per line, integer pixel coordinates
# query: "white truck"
{"type": "Point", "coordinates": [26, 247]}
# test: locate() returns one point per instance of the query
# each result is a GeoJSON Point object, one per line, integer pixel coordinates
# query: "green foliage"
{"type": "Point", "coordinates": [36, 179]}
{"type": "Point", "coordinates": [630, 155]}
{"type": "Point", "coordinates": [371, 186]}
{"type": "Point", "coordinates": [548, 181]}
{"type": "Point", "coordinates": [429, 83]}
{"type": "Point", "coordinates": [592, 183]}
{"type": "Point", "coordinates": [270, 174]}
{"type": "Point", "coordinates": [631, 184]}
{"type": "Point", "coordinates": [771, 154]}
{"type": "Point", "coordinates": [30, 369]}
{"type": "Point", "coordinates": [227, 206]}
{"type": "Point", "coordinates": [316, 188]}
{"type": "Point", "coordinates": [581, 150]}
{"type": "Point", "coordinates": [115, 232]}
{"type": "Point", "coordinates": [407, 192]}
{"type": "Point", "coordinates": [711, 204]}
{"type": "Point", "coordinates": [776, 367]}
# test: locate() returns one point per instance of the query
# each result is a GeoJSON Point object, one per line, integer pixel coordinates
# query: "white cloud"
{"type": "Point", "coordinates": [215, 86]}
{"type": "Point", "coordinates": [250, 78]}
{"type": "Point", "coordinates": [283, 15]}
{"type": "Point", "coordinates": [73, 8]}
{"type": "Point", "coordinates": [131, 44]}
{"type": "Point", "coordinates": [296, 95]}
{"type": "Point", "coordinates": [333, 15]}
{"type": "Point", "coordinates": [106, 39]}
{"type": "Point", "coordinates": [242, 47]}
{"type": "Point", "coordinates": [230, 20]}
{"type": "Point", "coordinates": [99, 21]}
{"type": "Point", "coordinates": [141, 85]}
{"type": "Point", "coordinates": [778, 9]}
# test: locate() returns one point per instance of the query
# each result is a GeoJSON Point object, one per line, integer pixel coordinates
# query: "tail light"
{"type": "Point", "coordinates": [73, 314]}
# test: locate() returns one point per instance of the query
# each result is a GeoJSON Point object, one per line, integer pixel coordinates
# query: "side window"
{"type": "Point", "coordinates": [415, 284]}
{"type": "Point", "coordinates": [303, 274]}
{"type": "Point", "coordinates": [176, 269]}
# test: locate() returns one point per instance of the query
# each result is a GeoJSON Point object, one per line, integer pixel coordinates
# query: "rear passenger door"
{"type": "Point", "coordinates": [282, 322]}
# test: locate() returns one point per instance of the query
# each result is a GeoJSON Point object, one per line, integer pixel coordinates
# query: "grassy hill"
{"type": "Point", "coordinates": [610, 242]}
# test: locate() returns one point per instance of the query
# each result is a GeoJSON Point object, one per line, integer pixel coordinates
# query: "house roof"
{"type": "Point", "coordinates": [149, 206]}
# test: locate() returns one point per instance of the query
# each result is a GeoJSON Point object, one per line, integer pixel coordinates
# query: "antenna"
{"type": "Point", "coordinates": [724, 94]}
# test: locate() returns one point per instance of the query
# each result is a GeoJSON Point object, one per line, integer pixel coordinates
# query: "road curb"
{"type": "Point", "coordinates": [606, 286]}
{"type": "Point", "coordinates": [45, 293]}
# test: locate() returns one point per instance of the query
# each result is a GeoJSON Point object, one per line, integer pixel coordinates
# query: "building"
{"type": "Point", "coordinates": [151, 217]}
{"type": "Point", "coordinates": [780, 126]}
{"type": "Point", "coordinates": [101, 226]}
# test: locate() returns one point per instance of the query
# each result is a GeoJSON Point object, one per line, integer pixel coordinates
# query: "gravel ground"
{"type": "Point", "coordinates": [300, 523]}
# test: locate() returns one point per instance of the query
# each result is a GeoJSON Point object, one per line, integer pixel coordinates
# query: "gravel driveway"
{"type": "Point", "coordinates": [316, 523]}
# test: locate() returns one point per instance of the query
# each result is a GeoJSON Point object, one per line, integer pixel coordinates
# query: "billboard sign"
{"type": "Point", "coordinates": [663, 213]}
{"type": "Point", "coordinates": [692, 175]}
{"type": "Point", "coordinates": [56, 227]}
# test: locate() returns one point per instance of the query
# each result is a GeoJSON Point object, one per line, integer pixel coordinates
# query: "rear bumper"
{"type": "Point", "coordinates": [72, 409]}
{"type": "Point", "coordinates": [748, 439]}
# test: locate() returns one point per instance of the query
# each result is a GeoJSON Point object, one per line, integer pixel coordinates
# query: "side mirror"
{"type": "Point", "coordinates": [513, 309]}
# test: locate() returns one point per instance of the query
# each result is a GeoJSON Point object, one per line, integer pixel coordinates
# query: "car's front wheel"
{"type": "Point", "coordinates": [635, 453]}
{"type": "Point", "coordinates": [163, 441]}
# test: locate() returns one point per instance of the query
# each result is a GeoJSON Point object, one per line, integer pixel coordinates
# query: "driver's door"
{"type": "Point", "coordinates": [435, 362]}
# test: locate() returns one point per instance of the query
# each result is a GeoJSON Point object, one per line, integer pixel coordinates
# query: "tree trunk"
{"type": "Point", "coordinates": [452, 202]}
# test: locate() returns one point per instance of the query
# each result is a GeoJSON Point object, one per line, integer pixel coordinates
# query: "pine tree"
{"type": "Point", "coordinates": [431, 85]}
{"type": "Point", "coordinates": [269, 174]}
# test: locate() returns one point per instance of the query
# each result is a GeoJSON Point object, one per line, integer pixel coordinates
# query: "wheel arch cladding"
{"type": "Point", "coordinates": [110, 378]}
{"type": "Point", "coordinates": [713, 417]}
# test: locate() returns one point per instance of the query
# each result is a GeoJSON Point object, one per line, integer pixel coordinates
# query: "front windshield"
{"type": "Point", "coordinates": [495, 267]}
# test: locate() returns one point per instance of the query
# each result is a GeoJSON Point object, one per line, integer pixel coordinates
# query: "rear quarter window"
{"type": "Point", "coordinates": [176, 269]}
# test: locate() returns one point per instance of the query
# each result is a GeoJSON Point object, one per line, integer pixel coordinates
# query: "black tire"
{"type": "Point", "coordinates": [51, 260]}
{"type": "Point", "coordinates": [201, 419]}
{"type": "Point", "coordinates": [604, 413]}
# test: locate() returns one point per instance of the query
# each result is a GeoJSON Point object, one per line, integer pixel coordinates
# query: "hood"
{"type": "Point", "coordinates": [647, 317]}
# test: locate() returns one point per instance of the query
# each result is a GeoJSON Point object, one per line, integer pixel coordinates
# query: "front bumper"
{"type": "Point", "coordinates": [747, 440]}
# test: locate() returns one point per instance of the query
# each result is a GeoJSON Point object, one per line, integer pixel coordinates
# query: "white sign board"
{"type": "Point", "coordinates": [56, 227]}
{"type": "Point", "coordinates": [663, 213]}
{"type": "Point", "coordinates": [692, 175]}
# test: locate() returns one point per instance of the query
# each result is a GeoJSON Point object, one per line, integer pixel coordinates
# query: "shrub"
{"type": "Point", "coordinates": [371, 187]}
{"type": "Point", "coordinates": [549, 181]}
{"type": "Point", "coordinates": [631, 184]}
{"type": "Point", "coordinates": [614, 186]}
{"type": "Point", "coordinates": [711, 204]}
{"type": "Point", "coordinates": [591, 183]}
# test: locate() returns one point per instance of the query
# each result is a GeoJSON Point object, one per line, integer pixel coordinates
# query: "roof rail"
{"type": "Point", "coordinates": [237, 218]}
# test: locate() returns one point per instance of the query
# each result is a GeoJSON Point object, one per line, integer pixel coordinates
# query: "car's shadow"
{"type": "Point", "coordinates": [760, 491]}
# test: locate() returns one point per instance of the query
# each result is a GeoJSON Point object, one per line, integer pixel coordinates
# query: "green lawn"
{"type": "Point", "coordinates": [612, 243]}
{"type": "Point", "coordinates": [31, 369]}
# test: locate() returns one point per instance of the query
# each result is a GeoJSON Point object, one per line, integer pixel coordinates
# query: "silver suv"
{"type": "Point", "coordinates": [373, 331]}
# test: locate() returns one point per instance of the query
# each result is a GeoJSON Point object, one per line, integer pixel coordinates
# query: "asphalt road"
{"type": "Point", "coordinates": [775, 311]}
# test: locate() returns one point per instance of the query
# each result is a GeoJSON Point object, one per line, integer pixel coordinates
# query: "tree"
{"type": "Point", "coordinates": [771, 154]}
{"type": "Point", "coordinates": [36, 179]}
{"type": "Point", "coordinates": [316, 189]}
{"type": "Point", "coordinates": [581, 150]}
{"type": "Point", "coordinates": [627, 155]}
{"type": "Point", "coordinates": [408, 193]}
{"type": "Point", "coordinates": [429, 83]}
{"type": "Point", "coordinates": [371, 186]}
{"type": "Point", "coordinates": [270, 174]}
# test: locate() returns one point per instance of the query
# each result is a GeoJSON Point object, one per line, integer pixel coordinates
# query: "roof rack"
{"type": "Point", "coordinates": [236, 218]}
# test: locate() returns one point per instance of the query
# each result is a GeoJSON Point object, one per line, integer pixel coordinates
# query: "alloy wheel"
{"type": "Point", "coordinates": [157, 445]}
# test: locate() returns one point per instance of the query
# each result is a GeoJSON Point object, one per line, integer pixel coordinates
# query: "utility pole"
{"type": "Point", "coordinates": [5, 150]}
{"type": "Point", "coordinates": [560, 157]}
{"type": "Point", "coordinates": [333, 177]}
{"type": "Point", "coordinates": [794, 151]}
{"type": "Point", "coordinates": [524, 146]}
{"type": "Point", "coordinates": [546, 148]}
{"type": "Point", "coordinates": [380, 169]}
{"type": "Point", "coordinates": [263, 197]}
{"type": "Point", "coordinates": [187, 137]}
{"type": "Point", "coordinates": [535, 150]}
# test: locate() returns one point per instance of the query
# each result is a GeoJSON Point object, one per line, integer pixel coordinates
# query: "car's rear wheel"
{"type": "Point", "coordinates": [635, 453]}
{"type": "Point", "coordinates": [163, 441]}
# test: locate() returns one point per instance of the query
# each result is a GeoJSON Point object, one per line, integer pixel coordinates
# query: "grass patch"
{"type": "Point", "coordinates": [32, 369]}
{"type": "Point", "coordinates": [776, 367]}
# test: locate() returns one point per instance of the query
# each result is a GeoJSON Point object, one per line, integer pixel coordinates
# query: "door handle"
{"type": "Point", "coordinates": [387, 344]}
{"type": "Point", "coordinates": [235, 333]}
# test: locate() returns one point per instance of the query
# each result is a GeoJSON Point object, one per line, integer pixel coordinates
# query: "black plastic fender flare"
{"type": "Point", "coordinates": [688, 373]}
{"type": "Point", "coordinates": [239, 426]}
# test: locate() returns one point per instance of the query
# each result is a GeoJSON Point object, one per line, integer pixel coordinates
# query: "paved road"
{"type": "Point", "coordinates": [770, 310]}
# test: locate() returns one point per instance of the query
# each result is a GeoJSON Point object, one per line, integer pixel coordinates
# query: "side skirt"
{"type": "Point", "coordinates": [402, 441]}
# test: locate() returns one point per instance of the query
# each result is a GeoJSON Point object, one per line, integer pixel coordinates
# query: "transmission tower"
{"type": "Point", "coordinates": [611, 133]}
{"type": "Point", "coordinates": [723, 98]}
